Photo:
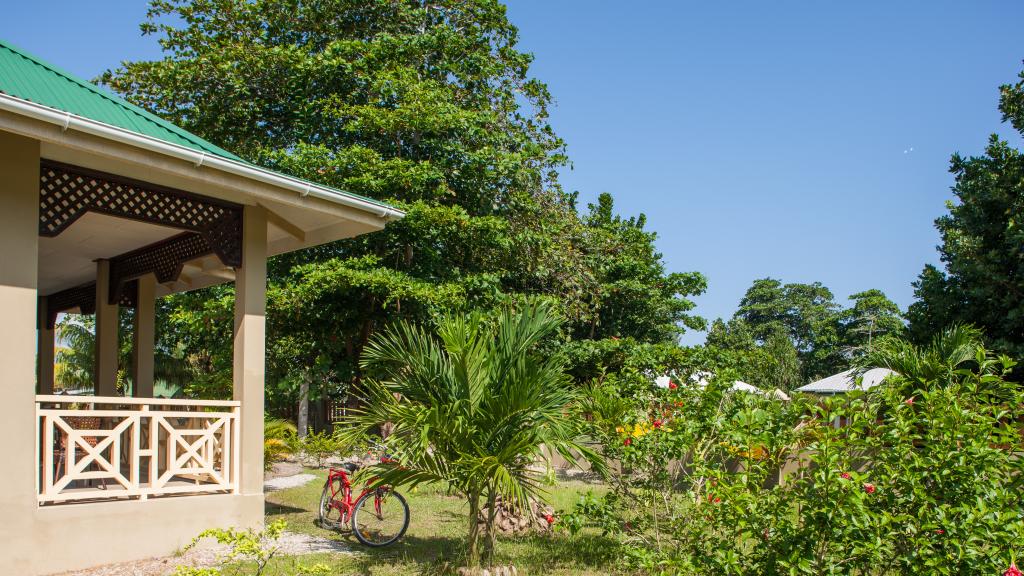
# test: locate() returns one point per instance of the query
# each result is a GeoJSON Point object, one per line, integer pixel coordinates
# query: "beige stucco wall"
{"type": "Point", "coordinates": [75, 536]}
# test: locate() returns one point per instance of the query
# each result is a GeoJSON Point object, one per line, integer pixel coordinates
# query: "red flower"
{"type": "Point", "coordinates": [845, 475]}
{"type": "Point", "coordinates": [672, 386]}
{"type": "Point", "coordinates": [869, 488]}
{"type": "Point", "coordinates": [717, 500]}
{"type": "Point", "coordinates": [940, 531]}
{"type": "Point", "coordinates": [679, 403]}
{"type": "Point", "coordinates": [1013, 570]}
{"type": "Point", "coordinates": [627, 441]}
{"type": "Point", "coordinates": [657, 423]}
{"type": "Point", "coordinates": [909, 401]}
{"type": "Point", "coordinates": [549, 519]}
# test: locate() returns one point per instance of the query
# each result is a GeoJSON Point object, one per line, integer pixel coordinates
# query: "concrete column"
{"type": "Point", "coordinates": [144, 338]}
{"type": "Point", "coordinates": [44, 350]}
{"type": "Point", "coordinates": [106, 334]}
{"type": "Point", "coordinates": [250, 346]}
{"type": "Point", "coordinates": [19, 258]}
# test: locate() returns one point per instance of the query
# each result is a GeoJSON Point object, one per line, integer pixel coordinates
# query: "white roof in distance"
{"type": "Point", "coordinates": [846, 381]}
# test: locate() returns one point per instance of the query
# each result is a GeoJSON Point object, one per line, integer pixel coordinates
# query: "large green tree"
{"type": "Point", "coordinates": [807, 313]}
{"type": "Point", "coordinates": [635, 295]}
{"type": "Point", "coordinates": [784, 333]}
{"type": "Point", "coordinates": [429, 105]}
{"type": "Point", "coordinates": [769, 364]}
{"type": "Point", "coordinates": [982, 250]}
{"type": "Point", "coordinates": [871, 316]}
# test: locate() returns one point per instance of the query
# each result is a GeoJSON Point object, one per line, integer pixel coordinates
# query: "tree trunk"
{"type": "Point", "coordinates": [492, 513]}
{"type": "Point", "coordinates": [303, 419]}
{"type": "Point", "coordinates": [473, 549]}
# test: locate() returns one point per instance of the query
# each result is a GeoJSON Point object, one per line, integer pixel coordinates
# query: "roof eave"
{"type": "Point", "coordinates": [67, 120]}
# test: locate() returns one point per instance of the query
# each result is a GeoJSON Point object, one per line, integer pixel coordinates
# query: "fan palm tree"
{"type": "Point", "coordinates": [471, 406]}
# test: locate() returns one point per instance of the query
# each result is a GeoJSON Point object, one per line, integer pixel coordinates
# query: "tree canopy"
{"type": "Point", "coordinates": [431, 106]}
{"type": "Point", "coordinates": [783, 335]}
{"type": "Point", "coordinates": [982, 249]}
{"type": "Point", "coordinates": [434, 107]}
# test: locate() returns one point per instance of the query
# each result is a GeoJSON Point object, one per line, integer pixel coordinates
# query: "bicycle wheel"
{"type": "Point", "coordinates": [330, 506]}
{"type": "Point", "coordinates": [380, 517]}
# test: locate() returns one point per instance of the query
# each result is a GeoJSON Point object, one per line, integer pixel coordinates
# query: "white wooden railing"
{"type": "Point", "coordinates": [102, 448]}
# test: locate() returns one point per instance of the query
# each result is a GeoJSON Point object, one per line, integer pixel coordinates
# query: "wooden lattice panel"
{"type": "Point", "coordinates": [165, 259]}
{"type": "Point", "coordinates": [68, 192]}
{"type": "Point", "coordinates": [84, 298]}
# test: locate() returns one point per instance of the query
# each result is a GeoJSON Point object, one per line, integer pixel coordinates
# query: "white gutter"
{"type": "Point", "coordinates": [67, 120]}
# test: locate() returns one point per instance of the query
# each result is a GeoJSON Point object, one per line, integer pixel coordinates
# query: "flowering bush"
{"type": "Point", "coordinates": [714, 481]}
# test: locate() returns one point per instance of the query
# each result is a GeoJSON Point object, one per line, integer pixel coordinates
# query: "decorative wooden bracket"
{"type": "Point", "coordinates": [165, 259]}
{"type": "Point", "coordinates": [68, 192]}
{"type": "Point", "coordinates": [83, 297]}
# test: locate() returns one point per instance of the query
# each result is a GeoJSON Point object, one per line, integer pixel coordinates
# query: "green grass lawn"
{"type": "Point", "coordinates": [434, 541]}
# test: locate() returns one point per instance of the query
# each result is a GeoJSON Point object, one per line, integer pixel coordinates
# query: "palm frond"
{"type": "Point", "coordinates": [473, 405]}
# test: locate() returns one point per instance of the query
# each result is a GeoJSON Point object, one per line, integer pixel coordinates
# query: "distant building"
{"type": "Point", "coordinates": [846, 381]}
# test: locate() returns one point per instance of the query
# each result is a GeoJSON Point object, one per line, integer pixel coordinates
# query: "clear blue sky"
{"type": "Point", "coordinates": [807, 141]}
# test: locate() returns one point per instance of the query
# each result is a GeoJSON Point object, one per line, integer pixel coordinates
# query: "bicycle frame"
{"type": "Point", "coordinates": [346, 504]}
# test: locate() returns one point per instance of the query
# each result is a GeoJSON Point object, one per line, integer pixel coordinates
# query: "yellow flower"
{"type": "Point", "coordinates": [641, 430]}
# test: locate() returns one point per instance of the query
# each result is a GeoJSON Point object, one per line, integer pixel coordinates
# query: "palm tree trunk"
{"type": "Point", "coordinates": [492, 514]}
{"type": "Point", "coordinates": [473, 548]}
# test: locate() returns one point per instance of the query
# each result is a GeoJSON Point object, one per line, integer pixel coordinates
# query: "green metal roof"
{"type": "Point", "coordinates": [24, 76]}
{"type": "Point", "coordinates": [29, 78]}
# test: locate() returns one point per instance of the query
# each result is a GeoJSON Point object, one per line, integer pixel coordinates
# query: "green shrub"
{"type": "Point", "coordinates": [925, 476]}
{"type": "Point", "coordinates": [250, 548]}
{"type": "Point", "coordinates": [472, 406]}
{"type": "Point", "coordinates": [319, 446]}
{"type": "Point", "coordinates": [279, 440]}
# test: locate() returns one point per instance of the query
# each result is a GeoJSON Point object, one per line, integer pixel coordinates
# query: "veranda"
{"type": "Point", "coordinates": [104, 206]}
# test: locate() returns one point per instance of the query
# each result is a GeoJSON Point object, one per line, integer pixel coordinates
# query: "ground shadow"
{"type": "Point", "coordinates": [532, 554]}
{"type": "Point", "coordinates": [276, 509]}
{"type": "Point", "coordinates": [433, 555]}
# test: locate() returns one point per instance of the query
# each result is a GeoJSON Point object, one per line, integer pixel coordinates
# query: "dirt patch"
{"type": "Point", "coordinates": [285, 468]}
{"type": "Point", "coordinates": [205, 558]}
{"type": "Point", "coordinates": [285, 482]}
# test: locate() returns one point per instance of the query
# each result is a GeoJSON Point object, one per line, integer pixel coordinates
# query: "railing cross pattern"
{"type": "Point", "coordinates": [184, 440]}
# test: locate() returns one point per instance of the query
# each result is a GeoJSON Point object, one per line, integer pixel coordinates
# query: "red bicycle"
{"type": "Point", "coordinates": [379, 516]}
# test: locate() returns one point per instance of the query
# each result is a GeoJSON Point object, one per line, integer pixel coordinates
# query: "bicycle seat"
{"type": "Point", "coordinates": [350, 466]}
